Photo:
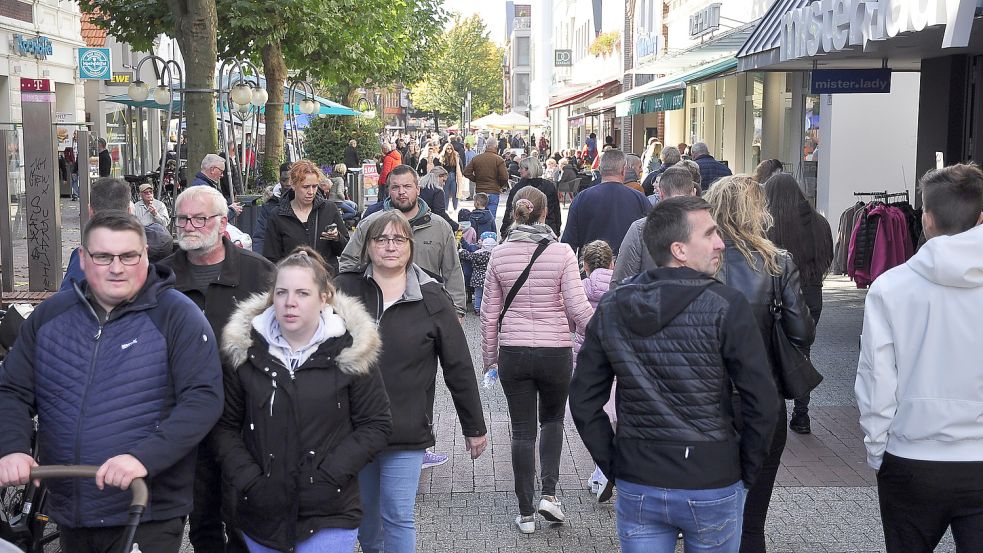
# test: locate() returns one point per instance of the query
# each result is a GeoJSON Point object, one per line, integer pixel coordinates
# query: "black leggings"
{"type": "Point", "coordinates": [813, 296]}
{"type": "Point", "coordinates": [759, 496]}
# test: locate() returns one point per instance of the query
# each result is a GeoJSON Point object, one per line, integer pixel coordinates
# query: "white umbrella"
{"type": "Point", "coordinates": [486, 121]}
{"type": "Point", "coordinates": [511, 120]}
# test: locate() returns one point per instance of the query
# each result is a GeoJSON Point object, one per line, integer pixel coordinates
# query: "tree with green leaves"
{"type": "Point", "coordinates": [326, 138]}
{"type": "Point", "coordinates": [338, 43]}
{"type": "Point", "coordinates": [465, 60]}
{"type": "Point", "coordinates": [193, 24]}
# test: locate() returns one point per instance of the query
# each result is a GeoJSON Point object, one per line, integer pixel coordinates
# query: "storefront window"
{"type": "Point", "coordinates": [811, 144]}
{"type": "Point", "coordinates": [719, 118]}
{"type": "Point", "coordinates": [753, 122]}
{"type": "Point", "coordinates": [116, 141]}
{"type": "Point", "coordinates": [696, 113]}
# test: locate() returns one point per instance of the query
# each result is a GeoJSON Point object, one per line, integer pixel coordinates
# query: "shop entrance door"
{"type": "Point", "coordinates": [973, 129]}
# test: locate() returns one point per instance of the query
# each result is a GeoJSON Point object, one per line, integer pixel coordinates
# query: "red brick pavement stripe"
{"type": "Point", "coordinates": [833, 455]}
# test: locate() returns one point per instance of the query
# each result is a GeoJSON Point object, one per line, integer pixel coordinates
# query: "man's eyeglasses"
{"type": "Point", "coordinates": [126, 258]}
{"type": "Point", "coordinates": [196, 222]}
{"type": "Point", "coordinates": [384, 240]}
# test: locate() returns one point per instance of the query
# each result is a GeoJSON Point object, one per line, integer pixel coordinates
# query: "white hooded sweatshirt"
{"type": "Point", "coordinates": [920, 376]}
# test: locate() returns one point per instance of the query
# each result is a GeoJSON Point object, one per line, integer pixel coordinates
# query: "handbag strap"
{"type": "Point", "coordinates": [776, 298]}
{"type": "Point", "coordinates": [521, 280]}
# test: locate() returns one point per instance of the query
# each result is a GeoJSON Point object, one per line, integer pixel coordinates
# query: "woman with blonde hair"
{"type": "Point", "coordinates": [291, 456]}
{"type": "Point", "coordinates": [761, 271]}
{"type": "Point", "coordinates": [450, 161]}
{"type": "Point", "coordinates": [651, 158]}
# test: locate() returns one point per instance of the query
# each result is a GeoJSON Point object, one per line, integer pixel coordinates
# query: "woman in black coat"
{"type": "Point", "coordinates": [419, 327]}
{"type": "Point", "coordinates": [305, 218]}
{"type": "Point", "coordinates": [751, 264]}
{"type": "Point", "coordinates": [530, 174]}
{"type": "Point", "coordinates": [305, 410]}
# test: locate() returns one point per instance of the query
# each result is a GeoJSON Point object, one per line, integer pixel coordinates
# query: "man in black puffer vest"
{"type": "Point", "coordinates": [678, 341]}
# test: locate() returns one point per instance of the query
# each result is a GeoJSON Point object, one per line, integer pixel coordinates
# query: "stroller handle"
{"type": "Point", "coordinates": [138, 486]}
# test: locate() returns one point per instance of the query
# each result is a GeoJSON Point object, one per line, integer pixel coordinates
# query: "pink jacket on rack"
{"type": "Point", "coordinates": [546, 308]}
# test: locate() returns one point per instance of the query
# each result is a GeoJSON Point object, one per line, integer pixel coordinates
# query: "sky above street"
{"type": "Point", "coordinates": [491, 11]}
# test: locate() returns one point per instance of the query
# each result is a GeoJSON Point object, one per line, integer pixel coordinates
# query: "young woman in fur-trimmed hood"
{"type": "Point", "coordinates": [305, 410]}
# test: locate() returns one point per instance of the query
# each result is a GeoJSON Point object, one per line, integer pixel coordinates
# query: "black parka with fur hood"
{"type": "Point", "coordinates": [292, 445]}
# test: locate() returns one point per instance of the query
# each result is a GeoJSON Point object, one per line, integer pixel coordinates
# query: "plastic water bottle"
{"type": "Point", "coordinates": [491, 377]}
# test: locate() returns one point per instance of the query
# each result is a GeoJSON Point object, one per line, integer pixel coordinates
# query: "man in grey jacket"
{"type": "Point", "coordinates": [436, 246]}
{"type": "Point", "coordinates": [633, 257]}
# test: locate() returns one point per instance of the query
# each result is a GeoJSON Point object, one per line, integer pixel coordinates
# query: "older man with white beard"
{"type": "Point", "coordinates": [216, 275]}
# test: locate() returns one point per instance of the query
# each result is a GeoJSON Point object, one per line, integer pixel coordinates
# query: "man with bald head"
{"type": "Point", "coordinates": [488, 173]}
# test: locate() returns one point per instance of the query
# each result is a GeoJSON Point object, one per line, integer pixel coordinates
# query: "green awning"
{"type": "Point", "coordinates": [663, 101]}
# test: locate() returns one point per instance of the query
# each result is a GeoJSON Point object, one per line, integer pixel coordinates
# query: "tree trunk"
{"type": "Point", "coordinates": [195, 23]}
{"type": "Point", "coordinates": [275, 69]}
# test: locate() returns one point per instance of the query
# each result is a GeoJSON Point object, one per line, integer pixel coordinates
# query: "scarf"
{"type": "Point", "coordinates": [531, 233]}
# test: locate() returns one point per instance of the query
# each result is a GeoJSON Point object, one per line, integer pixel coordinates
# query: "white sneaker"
{"type": "Point", "coordinates": [527, 525]}
{"type": "Point", "coordinates": [605, 489]}
{"type": "Point", "coordinates": [549, 507]}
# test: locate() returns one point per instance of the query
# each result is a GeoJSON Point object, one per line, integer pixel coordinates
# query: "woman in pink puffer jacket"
{"type": "Point", "coordinates": [532, 348]}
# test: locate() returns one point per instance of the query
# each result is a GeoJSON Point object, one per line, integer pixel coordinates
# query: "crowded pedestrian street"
{"type": "Point", "coordinates": [825, 498]}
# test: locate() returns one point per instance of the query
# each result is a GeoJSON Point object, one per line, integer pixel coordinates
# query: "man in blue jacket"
{"type": "Point", "coordinates": [123, 372]}
{"type": "Point", "coordinates": [605, 211]}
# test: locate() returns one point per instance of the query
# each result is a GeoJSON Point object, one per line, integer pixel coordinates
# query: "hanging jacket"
{"type": "Point", "coordinates": [292, 444]}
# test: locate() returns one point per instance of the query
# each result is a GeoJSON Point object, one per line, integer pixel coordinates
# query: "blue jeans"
{"type": "Point", "coordinates": [450, 189]}
{"type": "Point", "coordinates": [478, 290]}
{"type": "Point", "coordinates": [493, 205]}
{"type": "Point", "coordinates": [328, 540]}
{"type": "Point", "coordinates": [649, 518]}
{"type": "Point", "coordinates": [75, 185]}
{"type": "Point", "coordinates": [388, 488]}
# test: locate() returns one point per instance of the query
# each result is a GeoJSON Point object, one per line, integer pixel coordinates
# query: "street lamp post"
{"type": "Point", "coordinates": [529, 134]}
{"type": "Point", "coordinates": [307, 105]}
{"type": "Point", "coordinates": [163, 94]}
{"type": "Point", "coordinates": [241, 96]}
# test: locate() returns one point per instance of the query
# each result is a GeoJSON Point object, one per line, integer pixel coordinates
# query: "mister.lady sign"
{"type": "Point", "coordinates": [827, 26]}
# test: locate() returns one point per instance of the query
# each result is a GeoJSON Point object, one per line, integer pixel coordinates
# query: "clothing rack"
{"type": "Point", "coordinates": [885, 195]}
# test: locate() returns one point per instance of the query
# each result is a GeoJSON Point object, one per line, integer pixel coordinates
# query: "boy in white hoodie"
{"type": "Point", "coordinates": [920, 376]}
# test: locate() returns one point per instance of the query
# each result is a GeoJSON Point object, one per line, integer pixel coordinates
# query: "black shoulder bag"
{"type": "Point", "coordinates": [796, 374]}
{"type": "Point", "coordinates": [521, 280]}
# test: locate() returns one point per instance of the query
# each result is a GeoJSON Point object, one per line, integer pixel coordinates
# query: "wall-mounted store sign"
{"type": "Point", "coordinates": [653, 103]}
{"type": "Point", "coordinates": [704, 21]}
{"type": "Point", "coordinates": [95, 63]}
{"type": "Point", "coordinates": [646, 45]}
{"type": "Point", "coordinates": [851, 81]}
{"type": "Point", "coordinates": [832, 25]}
{"type": "Point", "coordinates": [563, 58]}
{"type": "Point", "coordinates": [120, 78]}
{"type": "Point", "coordinates": [39, 47]}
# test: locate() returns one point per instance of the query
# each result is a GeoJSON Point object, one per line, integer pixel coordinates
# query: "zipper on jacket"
{"type": "Point", "coordinates": [272, 397]}
{"type": "Point", "coordinates": [78, 426]}
{"type": "Point", "coordinates": [269, 465]}
{"type": "Point", "coordinates": [311, 455]}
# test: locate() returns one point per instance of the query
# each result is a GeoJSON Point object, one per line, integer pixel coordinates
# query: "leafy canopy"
{"type": "Point", "coordinates": [465, 59]}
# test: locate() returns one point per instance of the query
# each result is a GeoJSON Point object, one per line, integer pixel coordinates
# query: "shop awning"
{"type": "Point", "coordinates": [581, 95]}
{"type": "Point", "coordinates": [904, 52]}
{"type": "Point", "coordinates": [675, 82]}
{"type": "Point", "coordinates": [761, 47]}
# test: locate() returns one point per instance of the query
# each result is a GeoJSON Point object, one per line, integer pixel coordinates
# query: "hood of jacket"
{"type": "Point", "coordinates": [285, 207]}
{"type": "Point", "coordinates": [481, 217]}
{"type": "Point", "coordinates": [651, 300]}
{"type": "Point", "coordinates": [421, 216]}
{"type": "Point", "coordinates": [955, 261]}
{"type": "Point", "coordinates": [238, 337]}
{"type": "Point", "coordinates": [597, 284]}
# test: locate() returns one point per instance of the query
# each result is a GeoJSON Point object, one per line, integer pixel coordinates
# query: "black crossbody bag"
{"type": "Point", "coordinates": [521, 280]}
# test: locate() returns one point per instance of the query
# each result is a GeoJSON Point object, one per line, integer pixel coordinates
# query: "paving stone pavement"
{"type": "Point", "coordinates": [824, 501]}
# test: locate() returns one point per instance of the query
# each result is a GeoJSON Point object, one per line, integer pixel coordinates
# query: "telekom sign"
{"type": "Point", "coordinates": [827, 26]}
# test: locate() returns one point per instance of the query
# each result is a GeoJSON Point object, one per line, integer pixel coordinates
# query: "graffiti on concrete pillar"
{"type": "Point", "coordinates": [39, 231]}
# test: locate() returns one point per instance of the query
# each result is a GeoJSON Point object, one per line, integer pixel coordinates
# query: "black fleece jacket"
{"type": "Point", "coordinates": [284, 231]}
{"type": "Point", "coordinates": [678, 342]}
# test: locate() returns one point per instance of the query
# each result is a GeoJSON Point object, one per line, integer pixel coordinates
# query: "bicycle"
{"type": "Point", "coordinates": [24, 524]}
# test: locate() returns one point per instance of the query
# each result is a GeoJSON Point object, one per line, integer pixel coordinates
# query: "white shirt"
{"type": "Point", "coordinates": [142, 212]}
